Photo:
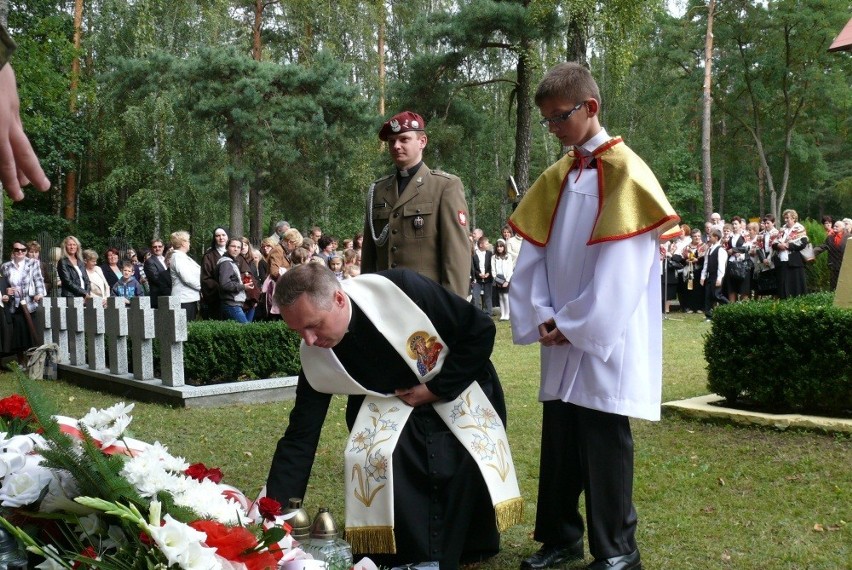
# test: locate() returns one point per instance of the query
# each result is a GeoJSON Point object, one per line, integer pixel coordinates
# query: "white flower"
{"type": "Point", "coordinates": [108, 425]}
{"type": "Point", "coordinates": [174, 537]}
{"type": "Point", "coordinates": [155, 510]}
{"type": "Point", "coordinates": [10, 462]}
{"type": "Point", "coordinates": [51, 556]}
{"type": "Point", "coordinates": [60, 495]}
{"type": "Point", "coordinates": [25, 486]}
{"type": "Point", "coordinates": [206, 498]}
{"type": "Point", "coordinates": [199, 557]}
{"type": "Point", "coordinates": [89, 525]}
{"type": "Point", "coordinates": [22, 444]}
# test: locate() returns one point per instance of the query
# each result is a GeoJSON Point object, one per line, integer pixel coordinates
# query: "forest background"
{"type": "Point", "coordinates": [152, 116]}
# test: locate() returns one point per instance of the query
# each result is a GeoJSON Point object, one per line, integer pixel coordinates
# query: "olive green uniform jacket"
{"type": "Point", "coordinates": [428, 229]}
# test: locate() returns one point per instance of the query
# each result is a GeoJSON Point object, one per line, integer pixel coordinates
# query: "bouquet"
{"type": "Point", "coordinates": [79, 493]}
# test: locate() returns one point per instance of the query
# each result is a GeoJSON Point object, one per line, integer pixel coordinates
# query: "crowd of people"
{"type": "Point", "coordinates": [491, 270]}
{"type": "Point", "coordinates": [738, 260]}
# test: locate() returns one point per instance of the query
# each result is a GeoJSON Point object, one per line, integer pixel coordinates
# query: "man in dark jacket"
{"type": "Point", "coordinates": [159, 278]}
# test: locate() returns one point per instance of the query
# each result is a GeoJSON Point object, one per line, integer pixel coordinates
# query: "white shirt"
{"type": "Point", "coordinates": [605, 299]}
{"type": "Point", "coordinates": [186, 277]}
{"type": "Point", "coordinates": [723, 262]}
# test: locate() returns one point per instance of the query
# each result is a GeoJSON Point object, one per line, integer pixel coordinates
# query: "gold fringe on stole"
{"type": "Point", "coordinates": [371, 539]}
{"type": "Point", "coordinates": [509, 513]}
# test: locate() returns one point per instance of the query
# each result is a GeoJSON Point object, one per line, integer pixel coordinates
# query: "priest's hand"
{"type": "Point", "coordinates": [18, 163]}
{"type": "Point", "coordinates": [416, 396]}
{"type": "Point", "coordinates": [550, 335]}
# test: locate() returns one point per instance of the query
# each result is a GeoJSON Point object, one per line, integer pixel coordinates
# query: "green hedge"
{"type": "Point", "coordinates": [223, 351]}
{"type": "Point", "coordinates": [785, 356]}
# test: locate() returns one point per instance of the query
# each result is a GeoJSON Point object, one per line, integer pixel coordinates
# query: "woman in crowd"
{"type": "Point", "coordinates": [24, 290]}
{"type": "Point", "coordinates": [211, 307]}
{"type": "Point", "coordinates": [72, 270]}
{"type": "Point", "coordinates": [111, 267]}
{"type": "Point", "coordinates": [766, 280]}
{"type": "Point", "coordinates": [503, 265]}
{"type": "Point", "coordinates": [48, 270]}
{"type": "Point", "coordinates": [249, 272]}
{"type": "Point", "coordinates": [279, 257]}
{"type": "Point", "coordinates": [98, 285]}
{"type": "Point", "coordinates": [693, 260]}
{"type": "Point", "coordinates": [678, 259]}
{"type": "Point", "coordinates": [792, 239]}
{"type": "Point", "coordinates": [739, 270]}
{"type": "Point", "coordinates": [357, 242]}
{"type": "Point", "coordinates": [753, 244]}
{"type": "Point", "coordinates": [835, 245]}
{"type": "Point", "coordinates": [186, 275]}
{"type": "Point", "coordinates": [513, 242]}
{"type": "Point", "coordinates": [232, 289]}
{"type": "Point", "coordinates": [263, 265]}
{"type": "Point", "coordinates": [326, 246]}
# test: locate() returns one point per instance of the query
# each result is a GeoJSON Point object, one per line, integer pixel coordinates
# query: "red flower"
{"type": "Point", "coordinates": [234, 544]}
{"type": "Point", "coordinates": [88, 552]}
{"type": "Point", "coordinates": [229, 542]}
{"type": "Point", "coordinates": [214, 475]}
{"type": "Point", "coordinates": [269, 508]}
{"type": "Point", "coordinates": [199, 472]}
{"type": "Point", "coordinates": [15, 406]}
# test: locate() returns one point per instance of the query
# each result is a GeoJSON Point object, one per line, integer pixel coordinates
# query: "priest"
{"type": "Point", "coordinates": [428, 472]}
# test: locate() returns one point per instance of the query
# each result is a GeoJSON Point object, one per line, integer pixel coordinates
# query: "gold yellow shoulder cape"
{"type": "Point", "coordinates": [630, 200]}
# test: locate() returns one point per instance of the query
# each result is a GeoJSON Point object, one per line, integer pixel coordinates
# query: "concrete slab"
{"type": "Point", "coordinates": [154, 390]}
{"type": "Point", "coordinates": [703, 407]}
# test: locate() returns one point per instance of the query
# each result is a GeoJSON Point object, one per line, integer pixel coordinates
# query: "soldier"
{"type": "Point", "coordinates": [417, 217]}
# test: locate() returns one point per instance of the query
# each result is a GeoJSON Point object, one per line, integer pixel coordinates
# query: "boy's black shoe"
{"type": "Point", "coordinates": [550, 555]}
{"type": "Point", "coordinates": [624, 562]}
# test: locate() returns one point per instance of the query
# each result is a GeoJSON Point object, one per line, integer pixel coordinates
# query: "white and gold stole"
{"type": "Point", "coordinates": [369, 449]}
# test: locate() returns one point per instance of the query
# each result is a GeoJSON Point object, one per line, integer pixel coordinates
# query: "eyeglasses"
{"type": "Point", "coordinates": [19, 249]}
{"type": "Point", "coordinates": [561, 118]}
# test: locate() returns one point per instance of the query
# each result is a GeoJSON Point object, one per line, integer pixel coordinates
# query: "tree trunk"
{"type": "Point", "coordinates": [706, 123]}
{"type": "Point", "coordinates": [522, 128]}
{"type": "Point", "coordinates": [256, 47]}
{"type": "Point", "coordinates": [70, 212]}
{"type": "Point", "coordinates": [236, 188]}
{"type": "Point", "coordinates": [381, 49]}
{"type": "Point", "coordinates": [577, 41]}
{"type": "Point", "coordinates": [256, 210]}
{"type": "Point", "coordinates": [255, 194]}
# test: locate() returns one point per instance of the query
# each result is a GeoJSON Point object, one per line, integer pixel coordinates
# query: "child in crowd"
{"type": "Point", "coordinates": [503, 264]}
{"type": "Point", "coordinates": [350, 257]}
{"type": "Point", "coordinates": [335, 263]}
{"type": "Point", "coordinates": [128, 286]}
{"type": "Point", "coordinates": [352, 271]}
{"type": "Point", "coordinates": [300, 256]}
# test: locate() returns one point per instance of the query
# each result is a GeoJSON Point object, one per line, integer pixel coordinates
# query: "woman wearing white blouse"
{"type": "Point", "coordinates": [186, 275]}
{"type": "Point", "coordinates": [98, 285]}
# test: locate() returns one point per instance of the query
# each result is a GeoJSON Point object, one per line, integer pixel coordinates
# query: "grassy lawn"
{"type": "Point", "coordinates": [708, 496]}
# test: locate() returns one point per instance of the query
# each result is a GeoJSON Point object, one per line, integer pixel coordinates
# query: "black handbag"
{"type": "Point", "coordinates": [739, 269]}
{"type": "Point", "coordinates": [500, 279]}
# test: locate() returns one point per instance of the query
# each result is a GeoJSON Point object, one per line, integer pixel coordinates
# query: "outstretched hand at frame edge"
{"type": "Point", "coordinates": [19, 164]}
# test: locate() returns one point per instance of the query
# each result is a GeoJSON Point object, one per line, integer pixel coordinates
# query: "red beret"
{"type": "Point", "coordinates": [402, 123]}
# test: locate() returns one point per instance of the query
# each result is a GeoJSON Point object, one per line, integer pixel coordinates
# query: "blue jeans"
{"type": "Point", "coordinates": [234, 313]}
